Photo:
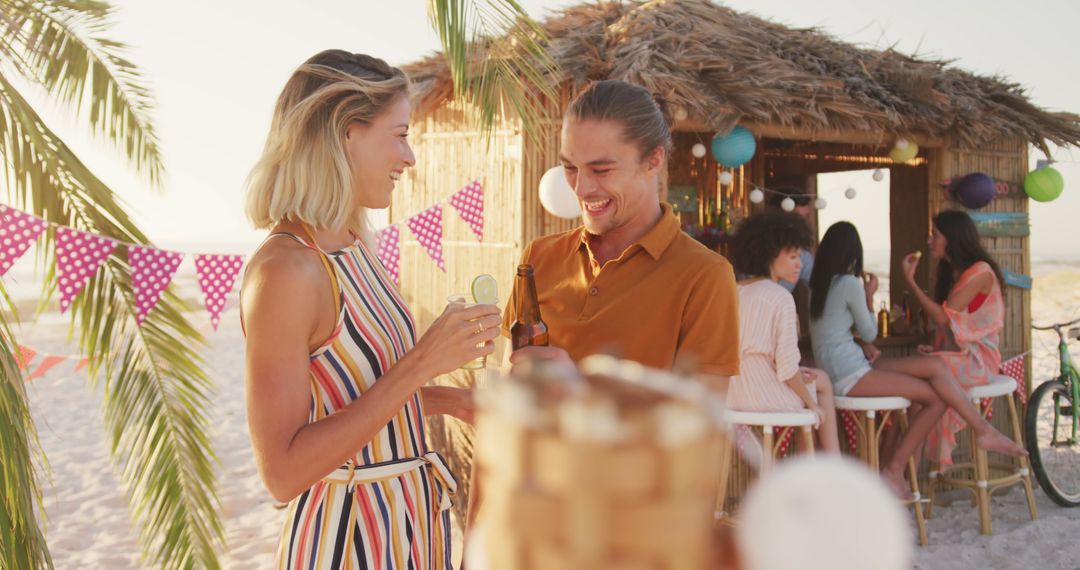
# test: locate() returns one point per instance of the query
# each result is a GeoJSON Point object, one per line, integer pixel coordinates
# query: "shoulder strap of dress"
{"type": "Point", "coordinates": [334, 286]}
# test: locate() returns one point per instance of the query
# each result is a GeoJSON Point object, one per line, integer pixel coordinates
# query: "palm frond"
{"type": "Point", "coordinates": [156, 393]}
{"type": "Point", "coordinates": [22, 544]}
{"type": "Point", "coordinates": [497, 57]}
{"type": "Point", "coordinates": [59, 45]}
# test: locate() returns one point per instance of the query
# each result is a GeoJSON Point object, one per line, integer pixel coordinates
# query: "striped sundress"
{"type": "Point", "coordinates": [387, 508]}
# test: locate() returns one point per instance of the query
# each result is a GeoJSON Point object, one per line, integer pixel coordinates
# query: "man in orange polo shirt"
{"type": "Point", "coordinates": [629, 281]}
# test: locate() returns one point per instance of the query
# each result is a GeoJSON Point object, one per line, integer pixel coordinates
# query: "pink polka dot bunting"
{"type": "Point", "coordinates": [389, 250]}
{"type": "Point", "coordinates": [427, 227]}
{"type": "Point", "coordinates": [18, 230]}
{"type": "Point", "coordinates": [78, 257]}
{"type": "Point", "coordinates": [469, 202]}
{"type": "Point", "coordinates": [151, 272]}
{"type": "Point", "coordinates": [217, 273]}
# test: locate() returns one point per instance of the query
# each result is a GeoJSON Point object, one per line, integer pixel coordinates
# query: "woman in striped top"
{"type": "Point", "coordinates": [334, 374]}
{"type": "Point", "coordinates": [766, 250]}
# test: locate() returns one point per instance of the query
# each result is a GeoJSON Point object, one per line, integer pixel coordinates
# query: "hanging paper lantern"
{"type": "Point", "coordinates": [734, 149]}
{"type": "Point", "coordinates": [879, 175]}
{"type": "Point", "coordinates": [903, 151]}
{"type": "Point", "coordinates": [788, 204]}
{"type": "Point", "coordinates": [681, 114]}
{"type": "Point", "coordinates": [820, 203]}
{"type": "Point", "coordinates": [698, 150]}
{"type": "Point", "coordinates": [1044, 184]}
{"type": "Point", "coordinates": [757, 196]}
{"type": "Point", "coordinates": [556, 195]}
{"type": "Point", "coordinates": [725, 178]}
{"type": "Point", "coordinates": [849, 193]}
{"type": "Point", "coordinates": [975, 190]}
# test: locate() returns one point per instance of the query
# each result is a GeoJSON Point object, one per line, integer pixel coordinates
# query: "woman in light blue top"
{"type": "Point", "coordinates": [841, 297]}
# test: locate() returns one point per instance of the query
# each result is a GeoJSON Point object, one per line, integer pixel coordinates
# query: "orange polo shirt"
{"type": "Point", "coordinates": [666, 296]}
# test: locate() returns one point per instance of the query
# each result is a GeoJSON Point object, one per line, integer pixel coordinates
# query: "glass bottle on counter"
{"type": "Point", "coordinates": [883, 321]}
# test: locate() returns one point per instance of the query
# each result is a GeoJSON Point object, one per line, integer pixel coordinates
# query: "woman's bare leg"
{"type": "Point", "coordinates": [937, 374]}
{"type": "Point", "coordinates": [827, 431]}
{"type": "Point", "coordinates": [878, 383]}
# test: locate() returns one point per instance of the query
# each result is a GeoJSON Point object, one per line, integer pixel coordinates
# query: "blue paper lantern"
{"type": "Point", "coordinates": [975, 190]}
{"type": "Point", "coordinates": [735, 149]}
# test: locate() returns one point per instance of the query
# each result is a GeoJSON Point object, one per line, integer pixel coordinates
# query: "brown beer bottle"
{"type": "Point", "coordinates": [528, 328]}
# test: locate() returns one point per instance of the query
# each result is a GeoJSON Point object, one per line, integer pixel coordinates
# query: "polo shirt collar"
{"type": "Point", "coordinates": [656, 240]}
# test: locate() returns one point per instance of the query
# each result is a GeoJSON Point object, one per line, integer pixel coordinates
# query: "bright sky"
{"type": "Point", "coordinates": [217, 67]}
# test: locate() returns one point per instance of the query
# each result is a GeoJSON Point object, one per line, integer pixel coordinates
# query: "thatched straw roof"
{"type": "Point", "coordinates": [725, 67]}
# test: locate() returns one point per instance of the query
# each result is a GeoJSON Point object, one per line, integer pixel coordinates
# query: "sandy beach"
{"type": "Point", "coordinates": [89, 527]}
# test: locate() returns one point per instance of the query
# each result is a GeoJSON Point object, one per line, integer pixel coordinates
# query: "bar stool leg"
{"type": "Point", "coordinates": [728, 459]}
{"type": "Point", "coordinates": [913, 476]}
{"type": "Point", "coordinates": [769, 449]}
{"type": "Point", "coordinates": [808, 439]}
{"type": "Point", "coordinates": [1025, 468]}
{"type": "Point", "coordinates": [872, 442]}
{"type": "Point", "coordinates": [982, 475]}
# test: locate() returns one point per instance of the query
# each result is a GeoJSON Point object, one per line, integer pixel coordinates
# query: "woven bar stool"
{"type": "Point", "coordinates": [869, 441]}
{"type": "Point", "coordinates": [979, 482]}
{"type": "Point", "coordinates": [803, 420]}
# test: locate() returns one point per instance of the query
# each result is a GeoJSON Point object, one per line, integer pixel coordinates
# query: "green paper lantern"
{"type": "Point", "coordinates": [904, 151]}
{"type": "Point", "coordinates": [1044, 184]}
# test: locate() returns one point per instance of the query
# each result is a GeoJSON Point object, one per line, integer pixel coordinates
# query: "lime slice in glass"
{"type": "Point", "coordinates": [485, 290]}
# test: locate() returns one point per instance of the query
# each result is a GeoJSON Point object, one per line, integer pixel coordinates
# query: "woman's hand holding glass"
{"type": "Point", "coordinates": [459, 335]}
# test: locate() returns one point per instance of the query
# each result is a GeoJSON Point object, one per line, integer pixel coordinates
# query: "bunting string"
{"type": "Point", "coordinates": [79, 254]}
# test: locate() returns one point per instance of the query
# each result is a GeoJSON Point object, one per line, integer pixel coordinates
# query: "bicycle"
{"type": "Point", "coordinates": [1051, 425]}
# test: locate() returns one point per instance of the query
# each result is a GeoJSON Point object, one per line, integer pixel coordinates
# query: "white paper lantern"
{"type": "Point", "coordinates": [820, 203]}
{"type": "Point", "coordinates": [879, 175]}
{"type": "Point", "coordinates": [788, 204]}
{"type": "Point", "coordinates": [725, 178]}
{"type": "Point", "coordinates": [849, 193]}
{"type": "Point", "coordinates": [698, 150]}
{"type": "Point", "coordinates": [822, 513]}
{"type": "Point", "coordinates": [757, 196]}
{"type": "Point", "coordinates": [556, 195]}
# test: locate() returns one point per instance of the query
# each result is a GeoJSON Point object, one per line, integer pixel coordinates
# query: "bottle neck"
{"type": "Point", "coordinates": [528, 304]}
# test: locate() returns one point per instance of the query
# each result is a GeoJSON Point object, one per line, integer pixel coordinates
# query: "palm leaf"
{"type": "Point", "coordinates": [497, 58]}
{"type": "Point", "coordinates": [22, 544]}
{"type": "Point", "coordinates": [156, 392]}
{"type": "Point", "coordinates": [58, 44]}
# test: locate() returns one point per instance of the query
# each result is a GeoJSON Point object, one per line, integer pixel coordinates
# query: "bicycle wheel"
{"type": "Point", "coordinates": [1055, 456]}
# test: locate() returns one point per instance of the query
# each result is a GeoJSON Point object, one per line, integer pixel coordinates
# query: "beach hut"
{"type": "Point", "coordinates": [814, 105]}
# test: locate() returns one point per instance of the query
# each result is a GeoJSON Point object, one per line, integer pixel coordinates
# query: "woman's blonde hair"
{"type": "Point", "coordinates": [304, 174]}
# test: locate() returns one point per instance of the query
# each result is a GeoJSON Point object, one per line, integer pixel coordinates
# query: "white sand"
{"type": "Point", "coordinates": [89, 525]}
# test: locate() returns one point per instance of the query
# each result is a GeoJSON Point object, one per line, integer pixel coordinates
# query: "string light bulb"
{"type": "Point", "coordinates": [788, 204]}
{"type": "Point", "coordinates": [820, 203]}
{"type": "Point", "coordinates": [726, 178]}
{"type": "Point", "coordinates": [849, 193]}
{"type": "Point", "coordinates": [879, 175]}
{"type": "Point", "coordinates": [698, 150]}
{"type": "Point", "coordinates": [757, 196]}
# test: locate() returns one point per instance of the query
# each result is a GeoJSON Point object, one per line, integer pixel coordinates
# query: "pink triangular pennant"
{"type": "Point", "coordinates": [427, 227]}
{"type": "Point", "coordinates": [217, 274]}
{"type": "Point", "coordinates": [18, 230]}
{"type": "Point", "coordinates": [469, 202]}
{"type": "Point", "coordinates": [82, 364]}
{"type": "Point", "coordinates": [26, 354]}
{"type": "Point", "coordinates": [78, 257]}
{"type": "Point", "coordinates": [151, 272]}
{"type": "Point", "coordinates": [388, 249]}
{"type": "Point", "coordinates": [47, 364]}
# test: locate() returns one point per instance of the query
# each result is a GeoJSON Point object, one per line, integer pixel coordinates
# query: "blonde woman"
{"type": "Point", "coordinates": [334, 374]}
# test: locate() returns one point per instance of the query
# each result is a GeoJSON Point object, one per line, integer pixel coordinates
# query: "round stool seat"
{"type": "Point", "coordinates": [998, 386]}
{"type": "Point", "coordinates": [872, 403]}
{"type": "Point", "coordinates": [795, 418]}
